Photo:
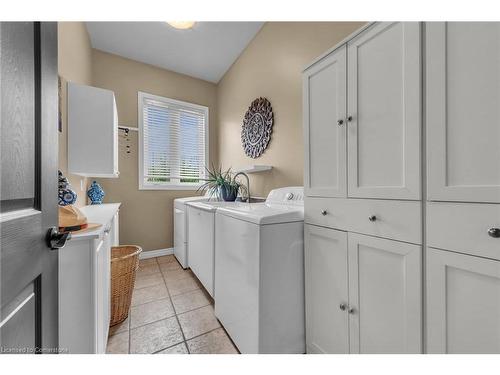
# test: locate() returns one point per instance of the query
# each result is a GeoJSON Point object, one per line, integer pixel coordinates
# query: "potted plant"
{"type": "Point", "coordinates": [221, 184]}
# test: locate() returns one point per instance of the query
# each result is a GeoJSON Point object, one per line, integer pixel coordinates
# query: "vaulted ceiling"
{"type": "Point", "coordinates": [206, 51]}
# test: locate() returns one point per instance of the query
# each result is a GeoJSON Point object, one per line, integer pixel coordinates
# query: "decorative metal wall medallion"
{"type": "Point", "coordinates": [257, 127]}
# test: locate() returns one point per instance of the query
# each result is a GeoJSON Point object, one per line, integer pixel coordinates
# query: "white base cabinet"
{"type": "Point", "coordinates": [463, 303]}
{"type": "Point", "coordinates": [363, 294]}
{"type": "Point", "coordinates": [84, 284]}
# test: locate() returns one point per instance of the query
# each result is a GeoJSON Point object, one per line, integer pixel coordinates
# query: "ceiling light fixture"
{"type": "Point", "coordinates": [182, 25]}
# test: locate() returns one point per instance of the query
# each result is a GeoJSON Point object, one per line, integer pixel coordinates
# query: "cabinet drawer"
{"type": "Point", "coordinates": [463, 227]}
{"type": "Point", "coordinates": [399, 220]}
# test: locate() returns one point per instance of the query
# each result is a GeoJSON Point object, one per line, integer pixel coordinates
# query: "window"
{"type": "Point", "coordinates": [173, 143]}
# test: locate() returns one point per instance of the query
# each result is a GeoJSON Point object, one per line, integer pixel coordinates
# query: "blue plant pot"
{"type": "Point", "coordinates": [95, 193]}
{"type": "Point", "coordinates": [229, 193]}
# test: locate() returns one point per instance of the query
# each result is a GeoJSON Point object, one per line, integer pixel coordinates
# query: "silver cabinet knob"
{"type": "Point", "coordinates": [349, 118]}
{"type": "Point", "coordinates": [323, 212]}
{"type": "Point", "coordinates": [494, 232]}
{"type": "Point", "coordinates": [340, 122]}
{"type": "Point", "coordinates": [351, 310]}
{"type": "Point", "coordinates": [342, 306]}
{"type": "Point", "coordinates": [372, 218]}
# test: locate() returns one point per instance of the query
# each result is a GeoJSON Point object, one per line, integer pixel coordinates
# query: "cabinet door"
{"type": "Point", "coordinates": [383, 134]}
{"type": "Point", "coordinates": [463, 120]}
{"type": "Point", "coordinates": [106, 287]}
{"type": "Point", "coordinates": [385, 296]}
{"type": "Point", "coordinates": [324, 126]}
{"type": "Point", "coordinates": [98, 328]}
{"type": "Point", "coordinates": [327, 328]}
{"type": "Point", "coordinates": [463, 303]}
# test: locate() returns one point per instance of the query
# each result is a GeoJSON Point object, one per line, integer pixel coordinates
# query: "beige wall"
{"type": "Point", "coordinates": [146, 217]}
{"type": "Point", "coordinates": [75, 65]}
{"type": "Point", "coordinates": [271, 67]}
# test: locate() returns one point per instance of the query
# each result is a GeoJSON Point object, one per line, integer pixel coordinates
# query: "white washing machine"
{"type": "Point", "coordinates": [181, 228]}
{"type": "Point", "coordinates": [259, 273]}
{"type": "Point", "coordinates": [201, 240]}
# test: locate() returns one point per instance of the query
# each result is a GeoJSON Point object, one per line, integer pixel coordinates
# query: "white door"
{"type": "Point", "coordinates": [383, 129]}
{"type": "Point", "coordinates": [385, 310]}
{"type": "Point", "coordinates": [463, 303]}
{"type": "Point", "coordinates": [324, 90]}
{"type": "Point", "coordinates": [463, 116]}
{"type": "Point", "coordinates": [327, 327]}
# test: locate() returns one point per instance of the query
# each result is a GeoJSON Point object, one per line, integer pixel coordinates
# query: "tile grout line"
{"type": "Point", "coordinates": [192, 338]}
{"type": "Point", "coordinates": [175, 311]}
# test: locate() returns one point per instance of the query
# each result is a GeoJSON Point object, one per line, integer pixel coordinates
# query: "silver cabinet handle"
{"type": "Point", "coordinates": [324, 212]}
{"type": "Point", "coordinates": [372, 218]}
{"type": "Point", "coordinates": [342, 306]}
{"type": "Point", "coordinates": [494, 232]}
{"type": "Point", "coordinates": [340, 122]}
{"type": "Point", "coordinates": [349, 118]}
{"type": "Point", "coordinates": [351, 310]}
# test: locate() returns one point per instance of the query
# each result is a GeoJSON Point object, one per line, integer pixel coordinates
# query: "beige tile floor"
{"type": "Point", "coordinates": [171, 314]}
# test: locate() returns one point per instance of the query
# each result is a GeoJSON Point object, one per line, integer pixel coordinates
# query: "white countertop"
{"type": "Point", "coordinates": [97, 213]}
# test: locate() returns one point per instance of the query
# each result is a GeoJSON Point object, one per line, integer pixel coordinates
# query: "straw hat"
{"type": "Point", "coordinates": [71, 219]}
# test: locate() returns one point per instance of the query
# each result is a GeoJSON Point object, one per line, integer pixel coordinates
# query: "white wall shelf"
{"type": "Point", "coordinates": [254, 169]}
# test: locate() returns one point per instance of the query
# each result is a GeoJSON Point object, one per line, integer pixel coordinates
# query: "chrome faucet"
{"type": "Point", "coordinates": [248, 184]}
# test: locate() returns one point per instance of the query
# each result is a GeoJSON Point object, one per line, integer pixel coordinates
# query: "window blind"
{"type": "Point", "coordinates": [173, 136]}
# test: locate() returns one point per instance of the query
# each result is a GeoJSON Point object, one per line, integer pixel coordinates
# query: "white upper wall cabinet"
{"type": "Point", "coordinates": [384, 112]}
{"type": "Point", "coordinates": [463, 111]}
{"type": "Point", "coordinates": [92, 131]}
{"type": "Point", "coordinates": [324, 90]}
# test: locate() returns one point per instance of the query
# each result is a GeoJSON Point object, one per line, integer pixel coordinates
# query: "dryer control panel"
{"type": "Point", "coordinates": [293, 196]}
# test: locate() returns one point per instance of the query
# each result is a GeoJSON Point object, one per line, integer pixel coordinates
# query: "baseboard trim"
{"type": "Point", "coordinates": [156, 253]}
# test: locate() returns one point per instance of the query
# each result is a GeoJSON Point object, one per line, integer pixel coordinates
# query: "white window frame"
{"type": "Point", "coordinates": [140, 118]}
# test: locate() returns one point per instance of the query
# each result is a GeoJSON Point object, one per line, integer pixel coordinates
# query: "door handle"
{"type": "Point", "coordinates": [55, 239]}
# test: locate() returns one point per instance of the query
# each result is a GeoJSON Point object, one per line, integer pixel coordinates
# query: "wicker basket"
{"type": "Point", "coordinates": [124, 264]}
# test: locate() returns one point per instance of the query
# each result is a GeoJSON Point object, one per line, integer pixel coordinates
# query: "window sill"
{"type": "Point", "coordinates": [170, 187]}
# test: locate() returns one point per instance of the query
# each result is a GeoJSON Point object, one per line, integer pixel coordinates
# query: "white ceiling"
{"type": "Point", "coordinates": [206, 51]}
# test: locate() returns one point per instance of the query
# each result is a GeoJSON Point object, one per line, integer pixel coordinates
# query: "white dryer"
{"type": "Point", "coordinates": [259, 273]}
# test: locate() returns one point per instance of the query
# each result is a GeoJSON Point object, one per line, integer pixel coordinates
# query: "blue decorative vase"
{"type": "Point", "coordinates": [65, 195]}
{"type": "Point", "coordinates": [95, 193]}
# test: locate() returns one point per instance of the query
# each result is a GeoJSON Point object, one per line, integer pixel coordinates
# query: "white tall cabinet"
{"type": "Point", "coordinates": [375, 192]}
{"type": "Point", "coordinates": [362, 124]}
{"type": "Point", "coordinates": [463, 170]}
